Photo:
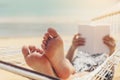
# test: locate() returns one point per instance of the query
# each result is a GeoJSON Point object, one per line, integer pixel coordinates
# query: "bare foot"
{"type": "Point", "coordinates": [37, 61]}
{"type": "Point", "coordinates": [54, 51]}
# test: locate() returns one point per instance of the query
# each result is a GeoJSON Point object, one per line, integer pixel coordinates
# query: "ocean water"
{"type": "Point", "coordinates": [37, 30]}
{"type": "Point", "coordinates": [32, 29]}
{"type": "Point", "coordinates": [11, 30]}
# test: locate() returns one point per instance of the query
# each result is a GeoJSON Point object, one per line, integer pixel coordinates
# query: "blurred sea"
{"type": "Point", "coordinates": [33, 29]}
{"type": "Point", "coordinates": [11, 30]}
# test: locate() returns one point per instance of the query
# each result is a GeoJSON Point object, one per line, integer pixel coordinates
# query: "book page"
{"type": "Point", "coordinates": [86, 32]}
{"type": "Point", "coordinates": [99, 33]}
{"type": "Point", "coordinates": [94, 38]}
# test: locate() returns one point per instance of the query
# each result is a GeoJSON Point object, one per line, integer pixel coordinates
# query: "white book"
{"type": "Point", "coordinates": [94, 38]}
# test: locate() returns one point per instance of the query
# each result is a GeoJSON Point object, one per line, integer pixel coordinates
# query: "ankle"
{"type": "Point", "coordinates": [65, 70]}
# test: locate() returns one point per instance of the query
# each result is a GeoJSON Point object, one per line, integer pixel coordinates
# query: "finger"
{"type": "Point", "coordinates": [81, 43]}
{"type": "Point", "coordinates": [108, 38]}
{"type": "Point", "coordinates": [76, 36]}
{"type": "Point", "coordinates": [81, 39]}
{"type": "Point", "coordinates": [110, 44]}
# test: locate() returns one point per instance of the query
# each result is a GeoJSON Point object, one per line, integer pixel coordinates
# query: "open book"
{"type": "Point", "coordinates": [94, 38]}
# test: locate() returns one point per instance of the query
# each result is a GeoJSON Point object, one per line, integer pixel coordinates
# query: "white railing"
{"type": "Point", "coordinates": [110, 17]}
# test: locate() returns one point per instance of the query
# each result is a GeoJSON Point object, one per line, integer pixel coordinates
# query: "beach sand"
{"type": "Point", "coordinates": [14, 45]}
{"type": "Point", "coordinates": [4, 75]}
{"type": "Point", "coordinates": [10, 51]}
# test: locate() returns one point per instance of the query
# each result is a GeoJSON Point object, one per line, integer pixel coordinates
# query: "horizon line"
{"type": "Point", "coordinates": [42, 19]}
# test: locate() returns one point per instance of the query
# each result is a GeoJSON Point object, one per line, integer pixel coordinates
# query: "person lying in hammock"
{"type": "Point", "coordinates": [51, 59]}
{"type": "Point", "coordinates": [84, 61]}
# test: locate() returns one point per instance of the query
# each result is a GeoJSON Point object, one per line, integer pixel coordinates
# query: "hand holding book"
{"type": "Point", "coordinates": [78, 41]}
{"type": "Point", "coordinates": [94, 38]}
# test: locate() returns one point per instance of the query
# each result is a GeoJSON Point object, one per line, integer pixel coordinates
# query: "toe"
{"type": "Point", "coordinates": [25, 51]}
{"type": "Point", "coordinates": [44, 42]}
{"type": "Point", "coordinates": [46, 36]}
{"type": "Point", "coordinates": [52, 32]}
{"type": "Point", "coordinates": [32, 48]}
{"type": "Point", "coordinates": [43, 46]}
{"type": "Point", "coordinates": [39, 51]}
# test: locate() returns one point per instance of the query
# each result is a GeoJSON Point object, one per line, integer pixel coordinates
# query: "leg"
{"type": "Point", "coordinates": [54, 51]}
{"type": "Point", "coordinates": [37, 61]}
{"type": "Point", "coordinates": [40, 63]}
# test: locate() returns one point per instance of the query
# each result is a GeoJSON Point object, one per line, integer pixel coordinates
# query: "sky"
{"type": "Point", "coordinates": [52, 10]}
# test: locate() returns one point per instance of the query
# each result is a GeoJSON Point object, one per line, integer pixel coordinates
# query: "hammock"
{"type": "Point", "coordinates": [24, 72]}
{"type": "Point", "coordinates": [11, 59]}
{"type": "Point", "coordinates": [99, 74]}
{"type": "Point", "coordinates": [102, 71]}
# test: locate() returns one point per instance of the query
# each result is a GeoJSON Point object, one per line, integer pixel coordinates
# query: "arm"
{"type": "Point", "coordinates": [110, 42]}
{"type": "Point", "coordinates": [77, 41]}
{"type": "Point", "coordinates": [70, 53]}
